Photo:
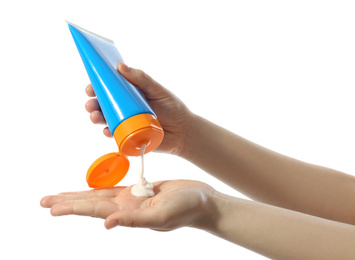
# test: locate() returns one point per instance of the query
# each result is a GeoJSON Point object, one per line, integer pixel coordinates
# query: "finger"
{"type": "Point", "coordinates": [106, 192]}
{"type": "Point", "coordinates": [46, 202]}
{"type": "Point", "coordinates": [109, 192]}
{"type": "Point", "coordinates": [97, 117]}
{"type": "Point", "coordinates": [90, 91]}
{"type": "Point", "coordinates": [99, 208]}
{"type": "Point", "coordinates": [147, 217]}
{"type": "Point", "coordinates": [49, 201]}
{"type": "Point", "coordinates": [107, 132]}
{"type": "Point", "coordinates": [150, 88]}
{"type": "Point", "coordinates": [92, 105]}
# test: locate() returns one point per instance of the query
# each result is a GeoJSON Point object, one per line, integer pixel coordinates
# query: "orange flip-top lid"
{"type": "Point", "coordinates": [107, 171]}
{"type": "Point", "coordinates": [130, 135]}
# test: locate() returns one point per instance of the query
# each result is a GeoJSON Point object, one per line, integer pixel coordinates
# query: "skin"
{"type": "Point", "coordinates": [173, 115]}
{"type": "Point", "coordinates": [176, 204]}
{"type": "Point", "coordinates": [297, 205]}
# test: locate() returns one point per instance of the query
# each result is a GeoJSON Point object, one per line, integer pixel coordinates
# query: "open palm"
{"type": "Point", "coordinates": [176, 203]}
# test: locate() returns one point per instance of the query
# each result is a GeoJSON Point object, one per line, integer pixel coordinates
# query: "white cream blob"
{"type": "Point", "coordinates": [143, 188]}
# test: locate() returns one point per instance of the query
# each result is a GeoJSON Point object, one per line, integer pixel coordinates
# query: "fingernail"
{"type": "Point", "coordinates": [112, 224]}
{"type": "Point", "coordinates": [43, 202]}
{"type": "Point", "coordinates": [124, 67]}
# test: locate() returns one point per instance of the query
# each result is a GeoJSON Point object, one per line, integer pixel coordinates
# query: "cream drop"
{"type": "Point", "coordinates": [143, 188]}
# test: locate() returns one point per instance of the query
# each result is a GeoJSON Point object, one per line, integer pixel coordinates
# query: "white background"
{"type": "Point", "coordinates": [279, 73]}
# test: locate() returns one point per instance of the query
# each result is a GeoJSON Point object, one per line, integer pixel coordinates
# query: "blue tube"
{"type": "Point", "coordinates": [118, 98]}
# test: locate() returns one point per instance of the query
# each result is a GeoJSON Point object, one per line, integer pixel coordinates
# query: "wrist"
{"type": "Point", "coordinates": [189, 136]}
{"type": "Point", "coordinates": [212, 212]}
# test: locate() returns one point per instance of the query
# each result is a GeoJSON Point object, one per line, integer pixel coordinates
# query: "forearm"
{"type": "Point", "coordinates": [280, 233]}
{"type": "Point", "coordinates": [267, 176]}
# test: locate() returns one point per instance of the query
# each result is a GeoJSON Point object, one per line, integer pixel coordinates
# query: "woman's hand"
{"type": "Point", "coordinates": [274, 232]}
{"type": "Point", "coordinates": [172, 114]}
{"type": "Point", "coordinates": [176, 204]}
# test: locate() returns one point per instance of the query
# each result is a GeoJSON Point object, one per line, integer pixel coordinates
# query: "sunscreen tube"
{"type": "Point", "coordinates": [131, 120]}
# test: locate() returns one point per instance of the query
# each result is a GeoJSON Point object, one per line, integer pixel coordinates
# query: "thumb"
{"type": "Point", "coordinates": [150, 88]}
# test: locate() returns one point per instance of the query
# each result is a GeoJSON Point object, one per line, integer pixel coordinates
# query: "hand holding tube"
{"type": "Point", "coordinates": [172, 114]}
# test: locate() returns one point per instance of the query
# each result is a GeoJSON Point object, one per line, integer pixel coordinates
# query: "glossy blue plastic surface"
{"type": "Point", "coordinates": [118, 98]}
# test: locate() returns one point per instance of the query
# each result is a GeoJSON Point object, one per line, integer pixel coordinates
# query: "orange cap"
{"type": "Point", "coordinates": [137, 130]}
{"type": "Point", "coordinates": [130, 135]}
{"type": "Point", "coordinates": [107, 171]}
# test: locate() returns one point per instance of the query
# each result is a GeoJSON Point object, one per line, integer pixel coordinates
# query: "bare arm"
{"type": "Point", "coordinates": [267, 176]}
{"type": "Point", "coordinates": [259, 173]}
{"type": "Point", "coordinates": [268, 230]}
{"type": "Point", "coordinates": [280, 233]}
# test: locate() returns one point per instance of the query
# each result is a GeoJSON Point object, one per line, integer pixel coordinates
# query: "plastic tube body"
{"type": "Point", "coordinates": [130, 119]}
{"type": "Point", "coordinates": [118, 98]}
